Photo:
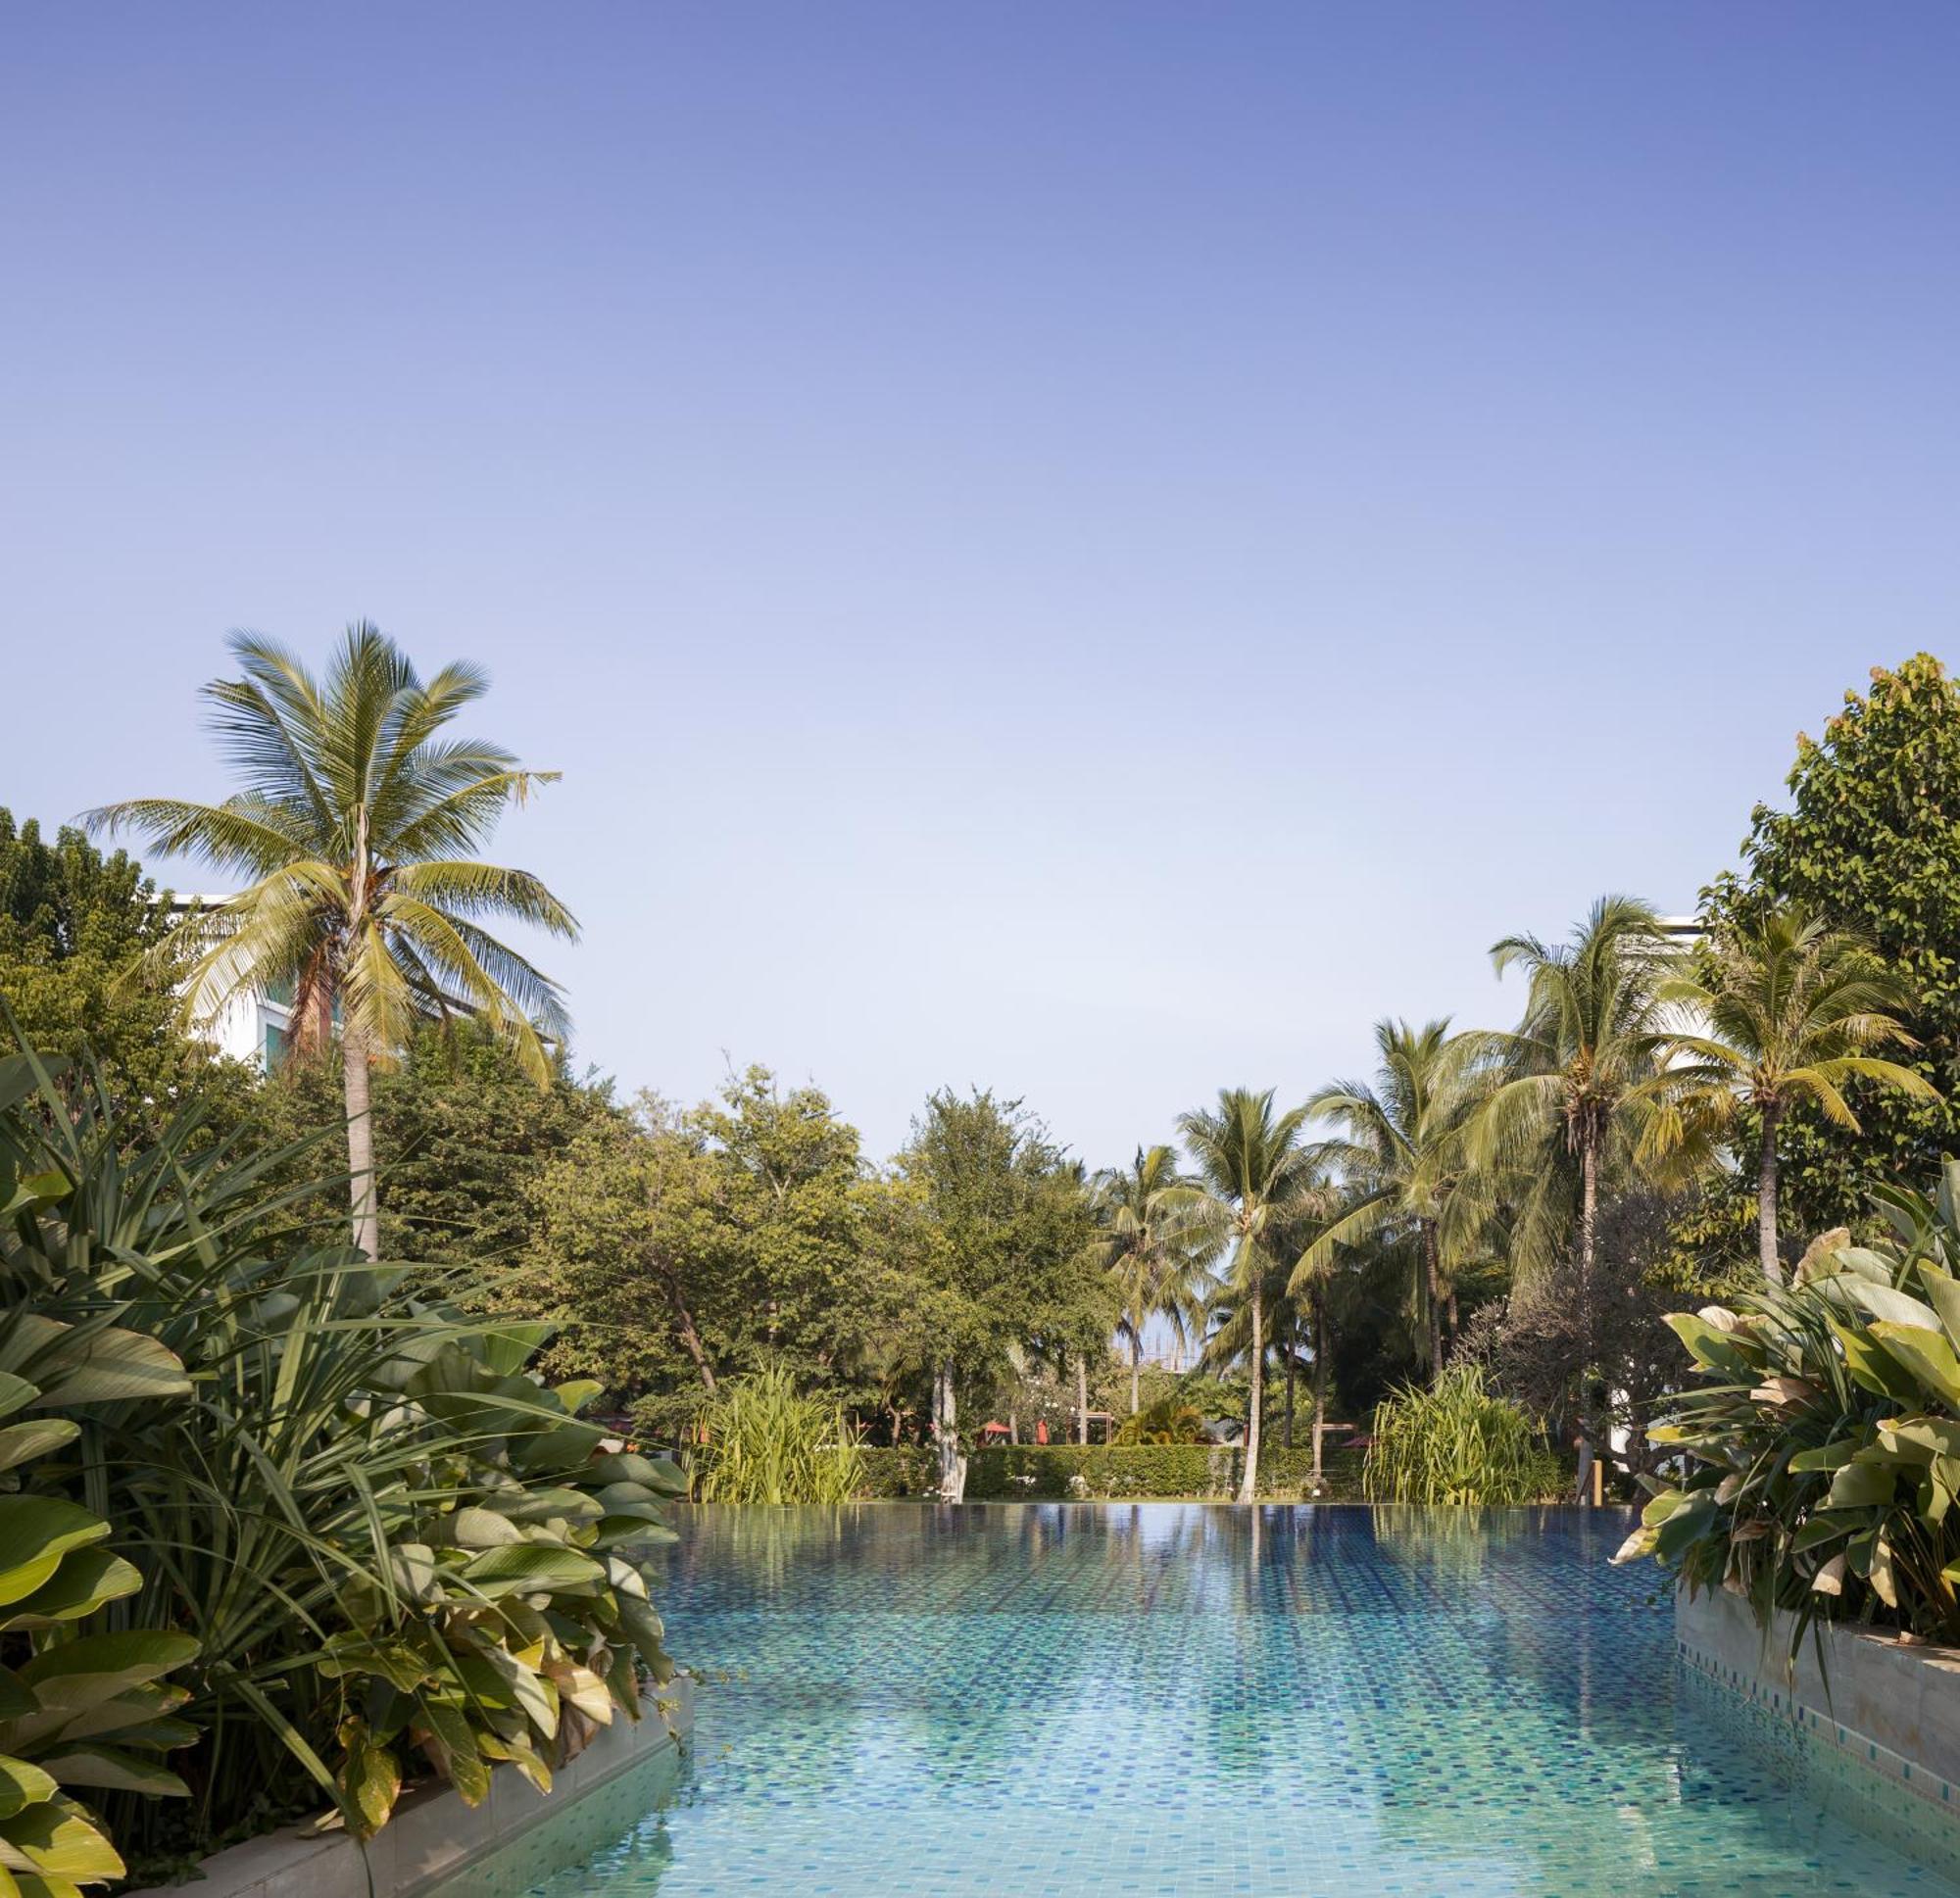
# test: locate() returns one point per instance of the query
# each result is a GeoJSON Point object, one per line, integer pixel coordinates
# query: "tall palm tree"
{"type": "Point", "coordinates": [356, 823]}
{"type": "Point", "coordinates": [1403, 1154]}
{"type": "Point", "coordinates": [1579, 1087]}
{"type": "Point", "coordinates": [1788, 1012]}
{"type": "Point", "coordinates": [1251, 1177]}
{"type": "Point", "coordinates": [1154, 1274]}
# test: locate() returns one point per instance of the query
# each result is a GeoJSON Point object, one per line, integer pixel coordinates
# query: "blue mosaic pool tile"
{"type": "Point", "coordinates": [1172, 1700]}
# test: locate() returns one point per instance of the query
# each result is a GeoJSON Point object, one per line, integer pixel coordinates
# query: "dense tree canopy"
{"type": "Point", "coordinates": [1869, 844]}
{"type": "Point", "coordinates": [76, 929]}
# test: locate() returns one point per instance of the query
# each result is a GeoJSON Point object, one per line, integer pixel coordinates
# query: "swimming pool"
{"type": "Point", "coordinates": [1162, 1700]}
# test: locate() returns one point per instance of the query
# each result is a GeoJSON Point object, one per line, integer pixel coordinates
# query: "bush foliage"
{"type": "Point", "coordinates": [1824, 1435]}
{"type": "Point", "coordinates": [382, 1546]}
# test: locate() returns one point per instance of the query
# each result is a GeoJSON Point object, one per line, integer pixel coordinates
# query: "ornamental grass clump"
{"type": "Point", "coordinates": [765, 1441]}
{"type": "Point", "coordinates": [1821, 1450]}
{"type": "Point", "coordinates": [1454, 1442]}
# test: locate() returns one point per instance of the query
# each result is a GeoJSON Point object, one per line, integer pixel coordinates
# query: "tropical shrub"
{"type": "Point", "coordinates": [1167, 1421]}
{"type": "Point", "coordinates": [1455, 1442]}
{"type": "Point", "coordinates": [1822, 1443]}
{"type": "Point", "coordinates": [764, 1442]}
{"type": "Point", "coordinates": [83, 1709]}
{"type": "Point", "coordinates": [393, 1548]}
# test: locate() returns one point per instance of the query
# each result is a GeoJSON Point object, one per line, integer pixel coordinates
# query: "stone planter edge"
{"type": "Point", "coordinates": [433, 1836]}
{"type": "Point", "coordinates": [1894, 1708]}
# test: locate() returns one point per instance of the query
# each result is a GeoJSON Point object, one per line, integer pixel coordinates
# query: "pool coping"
{"type": "Point", "coordinates": [433, 1836]}
{"type": "Point", "coordinates": [1894, 1708]}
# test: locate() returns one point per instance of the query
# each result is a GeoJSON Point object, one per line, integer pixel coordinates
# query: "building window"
{"type": "Point", "coordinates": [276, 1043]}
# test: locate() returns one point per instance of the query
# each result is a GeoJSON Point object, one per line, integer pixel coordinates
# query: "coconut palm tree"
{"type": "Point", "coordinates": [1788, 1012]}
{"type": "Point", "coordinates": [1403, 1154]}
{"type": "Point", "coordinates": [1252, 1176]}
{"type": "Point", "coordinates": [1579, 1087]}
{"type": "Point", "coordinates": [1155, 1276]}
{"type": "Point", "coordinates": [356, 823]}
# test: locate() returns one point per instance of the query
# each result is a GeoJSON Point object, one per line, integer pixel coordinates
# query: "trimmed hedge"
{"type": "Point", "coordinates": [1045, 1473]}
{"type": "Point", "coordinates": [901, 1472]}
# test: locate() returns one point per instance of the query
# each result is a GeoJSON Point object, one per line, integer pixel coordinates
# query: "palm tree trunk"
{"type": "Point", "coordinates": [1593, 1442]}
{"type": "Point", "coordinates": [1136, 1367]}
{"type": "Point", "coordinates": [1249, 1482]}
{"type": "Point", "coordinates": [1286, 1425]}
{"type": "Point", "coordinates": [1320, 1377]}
{"type": "Point", "coordinates": [367, 1205]}
{"type": "Point", "coordinates": [1432, 1283]}
{"type": "Point", "coordinates": [1766, 1201]}
{"type": "Point", "coordinates": [1082, 1398]}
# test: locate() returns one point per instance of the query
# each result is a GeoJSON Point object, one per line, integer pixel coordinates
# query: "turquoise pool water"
{"type": "Point", "coordinates": [1163, 1700]}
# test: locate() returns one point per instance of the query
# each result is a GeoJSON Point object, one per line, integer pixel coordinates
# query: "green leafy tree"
{"type": "Point", "coordinates": [1869, 845]}
{"type": "Point", "coordinates": [78, 933]}
{"type": "Point", "coordinates": [1005, 1254]}
{"type": "Point", "coordinates": [467, 1134]}
{"type": "Point", "coordinates": [679, 1250]}
{"type": "Point", "coordinates": [632, 1262]}
{"type": "Point", "coordinates": [356, 826]}
{"type": "Point", "coordinates": [1251, 1177]}
{"type": "Point", "coordinates": [1789, 1012]}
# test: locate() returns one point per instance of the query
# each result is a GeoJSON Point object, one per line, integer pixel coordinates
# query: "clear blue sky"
{"type": "Point", "coordinates": [1089, 549]}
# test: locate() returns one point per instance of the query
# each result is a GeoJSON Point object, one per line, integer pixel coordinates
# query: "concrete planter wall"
{"type": "Point", "coordinates": [1892, 1709]}
{"type": "Point", "coordinates": [434, 1836]}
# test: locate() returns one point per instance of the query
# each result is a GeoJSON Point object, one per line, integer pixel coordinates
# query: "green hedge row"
{"type": "Point", "coordinates": [1046, 1473]}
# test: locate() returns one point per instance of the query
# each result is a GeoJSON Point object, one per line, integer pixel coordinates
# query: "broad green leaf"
{"type": "Point", "coordinates": [1921, 1438]}
{"type": "Point", "coordinates": [1861, 1486]}
{"type": "Point", "coordinates": [1876, 1369]}
{"type": "Point", "coordinates": [90, 1368]}
{"type": "Point", "coordinates": [21, 1784]}
{"type": "Point", "coordinates": [483, 1528]}
{"type": "Point", "coordinates": [658, 1474]}
{"type": "Point", "coordinates": [1944, 1292]}
{"type": "Point", "coordinates": [85, 1580]}
{"type": "Point", "coordinates": [1891, 1306]}
{"type": "Point", "coordinates": [36, 1532]}
{"type": "Point", "coordinates": [1825, 1457]}
{"type": "Point", "coordinates": [59, 1843]}
{"type": "Point", "coordinates": [1820, 1529]}
{"type": "Point", "coordinates": [1713, 1349]}
{"type": "Point", "coordinates": [95, 1669]}
{"type": "Point", "coordinates": [532, 1568]}
{"type": "Point", "coordinates": [20, 1442]}
{"type": "Point", "coordinates": [1925, 1353]}
{"type": "Point", "coordinates": [113, 1769]}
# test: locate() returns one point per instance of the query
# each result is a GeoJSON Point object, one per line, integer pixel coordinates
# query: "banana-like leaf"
{"type": "Point", "coordinates": [1885, 1303]}
{"type": "Point", "coordinates": [113, 1769]}
{"type": "Point", "coordinates": [86, 1579]}
{"type": "Point", "coordinates": [36, 1532]}
{"type": "Point", "coordinates": [532, 1568]}
{"type": "Point", "coordinates": [23, 1785]}
{"type": "Point", "coordinates": [1860, 1486]}
{"type": "Point", "coordinates": [58, 1840]}
{"type": "Point", "coordinates": [1925, 1352]}
{"type": "Point", "coordinates": [19, 1442]}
